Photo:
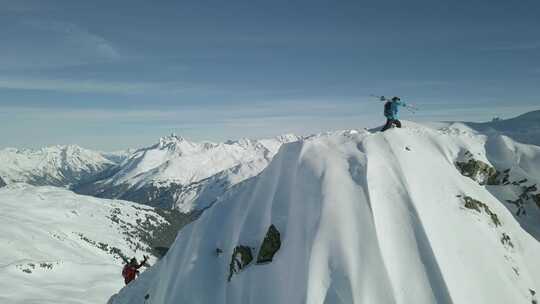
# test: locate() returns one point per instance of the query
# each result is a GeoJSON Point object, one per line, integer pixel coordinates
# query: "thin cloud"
{"type": "Point", "coordinates": [78, 36]}
{"type": "Point", "coordinates": [72, 86]}
{"type": "Point", "coordinates": [92, 86]}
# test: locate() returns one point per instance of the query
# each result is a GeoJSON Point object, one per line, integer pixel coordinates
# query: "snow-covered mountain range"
{"type": "Point", "coordinates": [174, 173]}
{"type": "Point", "coordinates": [524, 128]}
{"type": "Point", "coordinates": [439, 213]}
{"type": "Point", "coordinates": [59, 247]}
{"type": "Point", "coordinates": [61, 166]}
{"type": "Point", "coordinates": [414, 215]}
{"type": "Point", "coordinates": [184, 175]}
{"type": "Point", "coordinates": [178, 173]}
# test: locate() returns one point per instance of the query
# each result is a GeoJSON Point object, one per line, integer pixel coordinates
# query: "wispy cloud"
{"type": "Point", "coordinates": [43, 44]}
{"type": "Point", "coordinates": [76, 36]}
{"type": "Point", "coordinates": [93, 86]}
{"type": "Point", "coordinates": [72, 86]}
{"type": "Point", "coordinates": [134, 126]}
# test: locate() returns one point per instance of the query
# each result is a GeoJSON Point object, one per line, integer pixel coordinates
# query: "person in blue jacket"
{"type": "Point", "coordinates": [391, 109]}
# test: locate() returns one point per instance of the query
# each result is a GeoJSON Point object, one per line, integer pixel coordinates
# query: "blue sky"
{"type": "Point", "coordinates": [115, 74]}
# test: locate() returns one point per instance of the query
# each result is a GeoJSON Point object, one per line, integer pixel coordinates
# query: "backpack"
{"type": "Point", "coordinates": [129, 273]}
{"type": "Point", "coordinates": [388, 109]}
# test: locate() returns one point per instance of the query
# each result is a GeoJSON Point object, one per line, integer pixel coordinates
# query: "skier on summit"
{"type": "Point", "coordinates": [391, 108]}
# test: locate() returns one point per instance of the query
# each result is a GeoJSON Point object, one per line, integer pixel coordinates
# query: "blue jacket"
{"type": "Point", "coordinates": [394, 109]}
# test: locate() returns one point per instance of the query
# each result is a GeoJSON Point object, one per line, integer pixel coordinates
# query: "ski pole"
{"type": "Point", "coordinates": [410, 110]}
{"type": "Point", "coordinates": [411, 107]}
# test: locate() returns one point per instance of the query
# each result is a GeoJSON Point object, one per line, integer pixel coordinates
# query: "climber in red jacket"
{"type": "Point", "coordinates": [131, 269]}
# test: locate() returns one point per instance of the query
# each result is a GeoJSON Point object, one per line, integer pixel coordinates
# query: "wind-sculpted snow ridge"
{"type": "Point", "coordinates": [61, 166]}
{"type": "Point", "coordinates": [57, 247]}
{"type": "Point", "coordinates": [413, 215]}
{"type": "Point", "coordinates": [184, 175]}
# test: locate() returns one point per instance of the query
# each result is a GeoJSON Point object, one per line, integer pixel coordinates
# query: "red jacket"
{"type": "Point", "coordinates": [130, 272]}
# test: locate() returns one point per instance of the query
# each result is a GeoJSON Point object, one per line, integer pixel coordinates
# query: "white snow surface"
{"type": "Point", "coordinates": [177, 161]}
{"type": "Point", "coordinates": [56, 165]}
{"type": "Point", "coordinates": [364, 218]}
{"type": "Point", "coordinates": [524, 128]}
{"type": "Point", "coordinates": [43, 256]}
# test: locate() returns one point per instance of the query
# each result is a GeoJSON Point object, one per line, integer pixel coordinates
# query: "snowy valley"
{"type": "Point", "coordinates": [59, 247]}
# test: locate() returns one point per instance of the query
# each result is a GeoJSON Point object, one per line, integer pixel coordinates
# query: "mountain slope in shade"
{"type": "Point", "coordinates": [412, 215]}
{"type": "Point", "coordinates": [59, 247]}
{"type": "Point", "coordinates": [61, 166]}
{"type": "Point", "coordinates": [118, 157]}
{"type": "Point", "coordinates": [188, 176]}
{"type": "Point", "coordinates": [524, 128]}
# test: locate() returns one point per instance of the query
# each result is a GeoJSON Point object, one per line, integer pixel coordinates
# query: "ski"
{"type": "Point", "coordinates": [411, 108]}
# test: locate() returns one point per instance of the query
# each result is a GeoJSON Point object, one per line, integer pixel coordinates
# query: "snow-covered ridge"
{"type": "Point", "coordinates": [57, 166]}
{"type": "Point", "coordinates": [186, 175]}
{"type": "Point", "coordinates": [177, 159]}
{"type": "Point", "coordinates": [523, 128]}
{"type": "Point", "coordinates": [414, 215]}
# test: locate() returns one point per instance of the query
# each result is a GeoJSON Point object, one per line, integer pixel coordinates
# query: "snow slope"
{"type": "Point", "coordinates": [365, 218]}
{"type": "Point", "coordinates": [118, 156]}
{"type": "Point", "coordinates": [59, 247]}
{"type": "Point", "coordinates": [188, 176]}
{"type": "Point", "coordinates": [61, 166]}
{"type": "Point", "coordinates": [524, 128]}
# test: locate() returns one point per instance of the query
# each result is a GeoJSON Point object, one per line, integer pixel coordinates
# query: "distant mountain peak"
{"type": "Point", "coordinates": [524, 128]}
{"type": "Point", "coordinates": [60, 165]}
{"type": "Point", "coordinates": [530, 115]}
{"type": "Point", "coordinates": [186, 175]}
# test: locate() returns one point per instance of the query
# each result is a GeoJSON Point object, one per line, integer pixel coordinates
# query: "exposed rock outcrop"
{"type": "Point", "coordinates": [527, 195]}
{"type": "Point", "coordinates": [240, 259]}
{"type": "Point", "coordinates": [270, 246]}
{"type": "Point", "coordinates": [536, 198]}
{"type": "Point", "coordinates": [471, 203]}
{"type": "Point", "coordinates": [481, 172]}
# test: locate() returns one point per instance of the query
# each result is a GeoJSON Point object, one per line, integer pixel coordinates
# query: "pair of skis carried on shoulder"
{"type": "Point", "coordinates": [411, 108]}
